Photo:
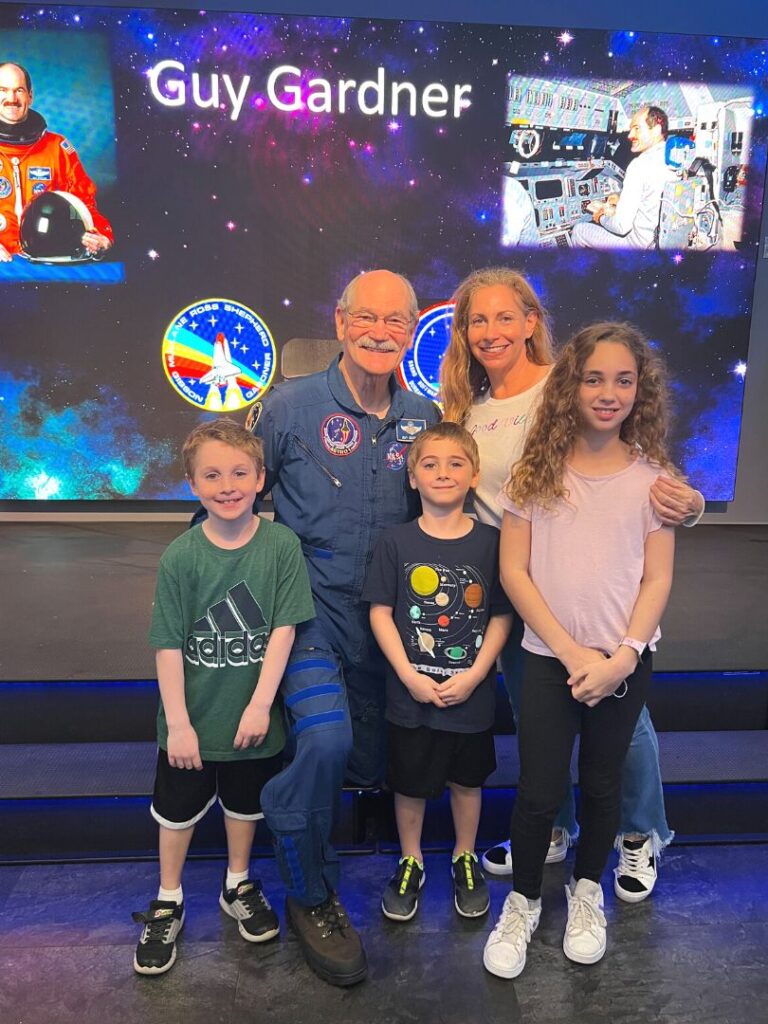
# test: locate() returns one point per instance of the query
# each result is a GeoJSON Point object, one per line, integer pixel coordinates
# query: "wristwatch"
{"type": "Point", "coordinates": [637, 645]}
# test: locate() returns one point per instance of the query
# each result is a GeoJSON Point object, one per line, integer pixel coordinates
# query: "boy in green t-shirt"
{"type": "Point", "coordinates": [229, 593]}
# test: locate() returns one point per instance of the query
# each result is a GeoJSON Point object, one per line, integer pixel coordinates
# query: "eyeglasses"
{"type": "Point", "coordinates": [395, 324]}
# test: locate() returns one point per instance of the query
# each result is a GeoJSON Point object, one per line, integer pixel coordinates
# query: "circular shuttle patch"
{"type": "Point", "coordinates": [218, 355]}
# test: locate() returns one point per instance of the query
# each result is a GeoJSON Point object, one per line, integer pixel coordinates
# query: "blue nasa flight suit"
{"type": "Point", "coordinates": [337, 477]}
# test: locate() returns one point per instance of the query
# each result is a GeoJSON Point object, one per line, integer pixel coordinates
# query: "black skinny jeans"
{"type": "Point", "coordinates": [550, 720]}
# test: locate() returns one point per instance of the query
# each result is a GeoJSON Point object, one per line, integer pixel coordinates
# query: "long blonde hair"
{"type": "Point", "coordinates": [538, 476]}
{"type": "Point", "coordinates": [462, 378]}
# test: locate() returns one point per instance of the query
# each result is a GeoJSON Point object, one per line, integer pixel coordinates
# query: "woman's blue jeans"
{"type": "Point", "coordinates": [642, 793]}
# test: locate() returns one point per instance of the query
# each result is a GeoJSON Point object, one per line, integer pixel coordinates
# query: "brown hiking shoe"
{"type": "Point", "coordinates": [330, 944]}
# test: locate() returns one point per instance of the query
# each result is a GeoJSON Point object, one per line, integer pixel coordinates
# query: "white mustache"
{"type": "Point", "coordinates": [377, 346]}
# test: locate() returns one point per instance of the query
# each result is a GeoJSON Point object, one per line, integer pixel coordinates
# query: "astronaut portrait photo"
{"type": "Point", "coordinates": [48, 209]}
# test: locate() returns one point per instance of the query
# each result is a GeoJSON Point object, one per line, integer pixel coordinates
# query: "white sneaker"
{"type": "Point", "coordinates": [505, 950]}
{"type": "Point", "coordinates": [635, 875]}
{"type": "Point", "coordinates": [498, 860]}
{"type": "Point", "coordinates": [584, 939]}
{"type": "Point", "coordinates": [558, 846]}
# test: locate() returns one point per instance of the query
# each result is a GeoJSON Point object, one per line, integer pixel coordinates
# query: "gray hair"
{"type": "Point", "coordinates": [345, 301]}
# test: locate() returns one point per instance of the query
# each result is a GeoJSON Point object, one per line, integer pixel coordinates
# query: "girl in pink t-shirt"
{"type": "Point", "coordinates": [588, 566]}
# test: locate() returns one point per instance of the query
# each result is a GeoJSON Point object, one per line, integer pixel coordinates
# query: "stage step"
{"type": "Point", "coordinates": [114, 711]}
{"type": "Point", "coordinates": [82, 801]}
{"type": "Point", "coordinates": [91, 800]}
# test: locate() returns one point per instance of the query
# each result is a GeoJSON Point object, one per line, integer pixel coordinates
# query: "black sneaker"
{"type": "Point", "coordinates": [470, 889]}
{"type": "Point", "coordinates": [256, 920]}
{"type": "Point", "coordinates": [156, 951]}
{"type": "Point", "coordinates": [330, 944]}
{"type": "Point", "coordinates": [401, 896]}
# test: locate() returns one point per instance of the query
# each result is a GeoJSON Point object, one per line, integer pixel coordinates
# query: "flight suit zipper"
{"type": "Point", "coordinates": [380, 431]}
{"type": "Point", "coordinates": [308, 451]}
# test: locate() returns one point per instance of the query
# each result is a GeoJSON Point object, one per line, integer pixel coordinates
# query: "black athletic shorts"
{"type": "Point", "coordinates": [423, 760]}
{"type": "Point", "coordinates": [183, 795]}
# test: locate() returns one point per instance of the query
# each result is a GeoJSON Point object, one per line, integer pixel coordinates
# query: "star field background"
{"type": "Point", "coordinates": [279, 210]}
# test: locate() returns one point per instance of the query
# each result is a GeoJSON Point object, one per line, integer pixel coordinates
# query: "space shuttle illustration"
{"type": "Point", "coordinates": [223, 374]}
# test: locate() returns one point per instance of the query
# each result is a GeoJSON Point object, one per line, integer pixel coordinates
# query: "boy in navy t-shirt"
{"type": "Point", "coordinates": [441, 618]}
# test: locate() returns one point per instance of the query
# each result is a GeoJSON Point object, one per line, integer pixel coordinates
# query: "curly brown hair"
{"type": "Point", "coordinates": [462, 378]}
{"type": "Point", "coordinates": [538, 476]}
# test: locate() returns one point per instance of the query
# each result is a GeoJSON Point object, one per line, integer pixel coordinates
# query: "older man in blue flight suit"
{"type": "Point", "coordinates": [335, 447]}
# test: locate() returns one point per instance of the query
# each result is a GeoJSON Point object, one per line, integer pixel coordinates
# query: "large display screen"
{"type": "Point", "coordinates": [182, 192]}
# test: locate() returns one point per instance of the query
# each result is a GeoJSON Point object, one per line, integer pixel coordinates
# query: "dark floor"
{"type": "Point", "coordinates": [695, 953]}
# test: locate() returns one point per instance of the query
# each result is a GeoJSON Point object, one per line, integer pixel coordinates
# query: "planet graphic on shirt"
{"type": "Point", "coordinates": [446, 607]}
{"type": "Point", "coordinates": [455, 653]}
{"type": "Point", "coordinates": [424, 580]}
{"type": "Point", "coordinates": [426, 643]}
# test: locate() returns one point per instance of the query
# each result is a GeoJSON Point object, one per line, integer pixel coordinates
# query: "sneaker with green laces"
{"type": "Point", "coordinates": [401, 896]}
{"type": "Point", "coordinates": [470, 890]}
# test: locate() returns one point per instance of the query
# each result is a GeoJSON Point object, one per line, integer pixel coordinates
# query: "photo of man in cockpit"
{"type": "Point", "coordinates": [625, 164]}
{"type": "Point", "coordinates": [630, 219]}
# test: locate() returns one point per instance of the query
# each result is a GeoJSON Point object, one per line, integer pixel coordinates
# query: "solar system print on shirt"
{"type": "Point", "coordinates": [447, 614]}
{"type": "Point", "coordinates": [442, 592]}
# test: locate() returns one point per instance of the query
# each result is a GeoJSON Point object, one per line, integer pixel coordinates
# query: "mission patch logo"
{"type": "Point", "coordinates": [219, 355]}
{"type": "Point", "coordinates": [340, 434]}
{"type": "Point", "coordinates": [420, 370]}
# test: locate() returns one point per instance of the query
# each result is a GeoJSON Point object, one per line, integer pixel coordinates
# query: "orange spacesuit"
{"type": "Point", "coordinates": [27, 170]}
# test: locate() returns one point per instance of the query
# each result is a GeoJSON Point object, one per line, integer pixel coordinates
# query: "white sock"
{"type": "Point", "coordinates": [234, 878]}
{"type": "Point", "coordinates": [170, 895]}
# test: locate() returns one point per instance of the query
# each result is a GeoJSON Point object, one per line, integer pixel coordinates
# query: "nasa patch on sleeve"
{"type": "Point", "coordinates": [394, 456]}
